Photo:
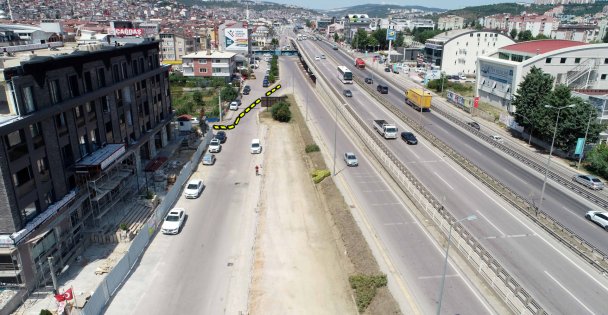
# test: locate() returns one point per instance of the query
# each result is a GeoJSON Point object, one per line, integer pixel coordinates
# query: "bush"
{"type": "Point", "coordinates": [319, 175]}
{"type": "Point", "coordinates": [312, 148]}
{"type": "Point", "coordinates": [365, 288]}
{"type": "Point", "coordinates": [597, 160]}
{"type": "Point", "coordinates": [45, 312]}
{"type": "Point", "coordinates": [281, 112]}
{"type": "Point", "coordinates": [271, 78]}
{"type": "Point", "coordinates": [123, 226]}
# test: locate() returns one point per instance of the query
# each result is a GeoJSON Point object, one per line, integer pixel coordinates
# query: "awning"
{"type": "Point", "coordinates": [103, 157]}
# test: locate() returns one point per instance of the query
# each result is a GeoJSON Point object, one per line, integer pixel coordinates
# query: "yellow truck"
{"type": "Point", "coordinates": [418, 98]}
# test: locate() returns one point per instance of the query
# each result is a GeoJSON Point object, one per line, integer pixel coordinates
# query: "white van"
{"type": "Point", "coordinates": [256, 146]}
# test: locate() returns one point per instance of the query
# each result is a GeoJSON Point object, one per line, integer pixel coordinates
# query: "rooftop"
{"type": "Point", "coordinates": [541, 46]}
{"type": "Point", "coordinates": [214, 54]}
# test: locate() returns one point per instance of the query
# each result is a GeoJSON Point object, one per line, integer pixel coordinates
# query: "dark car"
{"type": "Point", "coordinates": [221, 135]}
{"type": "Point", "coordinates": [246, 90]}
{"type": "Point", "coordinates": [383, 89]}
{"type": "Point", "coordinates": [348, 93]}
{"type": "Point", "coordinates": [474, 124]}
{"type": "Point", "coordinates": [409, 137]}
{"type": "Point", "coordinates": [369, 80]}
{"type": "Point", "coordinates": [387, 69]}
{"type": "Point", "coordinates": [265, 83]}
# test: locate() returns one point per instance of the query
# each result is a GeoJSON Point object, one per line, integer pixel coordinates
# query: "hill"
{"type": "Point", "coordinates": [377, 10]}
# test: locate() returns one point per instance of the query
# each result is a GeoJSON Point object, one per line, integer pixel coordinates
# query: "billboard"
{"type": "Point", "coordinates": [236, 38]}
{"type": "Point", "coordinates": [391, 34]}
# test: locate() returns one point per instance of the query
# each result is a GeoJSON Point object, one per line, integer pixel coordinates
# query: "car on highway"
{"type": "Point", "coordinates": [208, 159]}
{"type": "Point", "coordinates": [383, 89]}
{"type": "Point", "coordinates": [221, 135]}
{"type": "Point", "coordinates": [194, 188]}
{"type": "Point", "coordinates": [474, 124]}
{"type": "Point", "coordinates": [173, 221]}
{"type": "Point", "coordinates": [317, 58]}
{"type": "Point", "coordinates": [350, 159]}
{"type": "Point", "coordinates": [589, 181]}
{"type": "Point", "coordinates": [348, 93]}
{"type": "Point", "coordinates": [497, 138]}
{"type": "Point", "coordinates": [409, 137]}
{"type": "Point", "coordinates": [369, 80]}
{"type": "Point", "coordinates": [599, 217]}
{"type": "Point", "coordinates": [256, 146]}
{"type": "Point", "coordinates": [215, 146]}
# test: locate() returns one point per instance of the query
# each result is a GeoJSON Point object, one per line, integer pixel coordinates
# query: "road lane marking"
{"type": "Point", "coordinates": [438, 277]}
{"type": "Point", "coordinates": [492, 224]}
{"type": "Point", "coordinates": [570, 293]}
{"type": "Point", "coordinates": [509, 236]}
{"type": "Point", "coordinates": [385, 204]}
{"type": "Point", "coordinates": [378, 190]}
{"type": "Point", "coordinates": [443, 180]}
{"type": "Point", "coordinates": [393, 223]}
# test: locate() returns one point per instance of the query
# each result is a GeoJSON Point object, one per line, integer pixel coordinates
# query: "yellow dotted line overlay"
{"type": "Point", "coordinates": [245, 111]}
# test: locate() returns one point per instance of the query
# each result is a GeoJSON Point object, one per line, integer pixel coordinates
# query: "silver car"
{"type": "Point", "coordinates": [209, 159]}
{"type": "Point", "coordinates": [589, 180]}
{"type": "Point", "coordinates": [350, 159]}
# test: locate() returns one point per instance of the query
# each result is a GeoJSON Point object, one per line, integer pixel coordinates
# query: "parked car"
{"type": "Point", "coordinates": [369, 80]}
{"type": "Point", "coordinates": [387, 69]}
{"type": "Point", "coordinates": [474, 124]}
{"type": "Point", "coordinates": [194, 188]}
{"type": "Point", "coordinates": [173, 221]}
{"type": "Point", "coordinates": [589, 181]}
{"type": "Point", "coordinates": [348, 93]}
{"type": "Point", "coordinates": [599, 217]}
{"type": "Point", "coordinates": [221, 135]}
{"type": "Point", "coordinates": [256, 146]}
{"type": "Point", "coordinates": [246, 90]}
{"type": "Point", "coordinates": [383, 89]}
{"type": "Point", "coordinates": [265, 83]}
{"type": "Point", "coordinates": [208, 159]}
{"type": "Point", "coordinates": [409, 137]}
{"type": "Point", "coordinates": [350, 159]}
{"type": "Point", "coordinates": [215, 146]}
{"type": "Point", "coordinates": [233, 105]}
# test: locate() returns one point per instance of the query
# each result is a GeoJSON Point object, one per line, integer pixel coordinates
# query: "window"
{"type": "Point", "coordinates": [105, 105]}
{"type": "Point", "coordinates": [55, 93]}
{"type": "Point", "coordinates": [78, 111]}
{"type": "Point", "coordinates": [88, 83]}
{"type": "Point", "coordinates": [73, 84]}
{"type": "Point", "coordinates": [42, 166]}
{"type": "Point", "coordinates": [90, 106]}
{"type": "Point", "coordinates": [141, 65]}
{"type": "Point", "coordinates": [28, 213]}
{"type": "Point", "coordinates": [101, 77]}
{"type": "Point", "coordinates": [28, 99]}
{"type": "Point", "coordinates": [577, 60]}
{"type": "Point", "coordinates": [603, 77]}
{"type": "Point", "coordinates": [202, 61]}
{"type": "Point", "coordinates": [115, 74]}
{"type": "Point", "coordinates": [134, 68]}
{"type": "Point", "coordinates": [67, 155]}
{"type": "Point", "coordinates": [548, 60]}
{"type": "Point", "coordinates": [83, 145]}
{"type": "Point", "coordinates": [124, 70]}
{"type": "Point", "coordinates": [605, 60]}
{"type": "Point", "coordinates": [22, 177]}
{"type": "Point", "coordinates": [60, 121]}
{"type": "Point", "coordinates": [562, 60]}
{"type": "Point", "coordinates": [35, 130]}
{"type": "Point", "coordinates": [49, 197]}
{"type": "Point", "coordinates": [202, 70]}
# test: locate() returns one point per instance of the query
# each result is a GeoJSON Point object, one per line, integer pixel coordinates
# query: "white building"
{"type": "Point", "coordinates": [536, 24]}
{"type": "Point", "coordinates": [582, 33]}
{"type": "Point", "coordinates": [576, 64]}
{"type": "Point", "coordinates": [419, 23]}
{"type": "Point", "coordinates": [450, 22]}
{"type": "Point", "coordinates": [456, 52]}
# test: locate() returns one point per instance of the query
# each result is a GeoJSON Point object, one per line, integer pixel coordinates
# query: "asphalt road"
{"type": "Point", "coordinates": [562, 283]}
{"type": "Point", "coordinates": [416, 258]}
{"type": "Point", "coordinates": [206, 268]}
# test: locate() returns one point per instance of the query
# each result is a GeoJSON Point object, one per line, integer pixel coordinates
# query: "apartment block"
{"type": "Point", "coordinates": [75, 130]}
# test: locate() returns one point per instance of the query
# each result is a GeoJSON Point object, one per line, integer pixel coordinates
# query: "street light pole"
{"type": "Point", "coordinates": [542, 192]}
{"type": "Point", "coordinates": [335, 137]}
{"type": "Point", "coordinates": [445, 263]}
{"type": "Point", "coordinates": [580, 157]}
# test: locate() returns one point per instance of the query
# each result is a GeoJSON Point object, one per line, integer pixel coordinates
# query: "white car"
{"type": "Point", "coordinates": [317, 58]}
{"type": "Point", "coordinates": [234, 105]}
{"type": "Point", "coordinates": [256, 146]}
{"type": "Point", "coordinates": [209, 159]}
{"type": "Point", "coordinates": [194, 188]}
{"type": "Point", "coordinates": [599, 217]}
{"type": "Point", "coordinates": [350, 159]}
{"type": "Point", "coordinates": [215, 146]}
{"type": "Point", "coordinates": [173, 221]}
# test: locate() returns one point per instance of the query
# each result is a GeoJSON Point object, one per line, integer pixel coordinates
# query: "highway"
{"type": "Point", "coordinates": [417, 259]}
{"type": "Point", "coordinates": [561, 282]}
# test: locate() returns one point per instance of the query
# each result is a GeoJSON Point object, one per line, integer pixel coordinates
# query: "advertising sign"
{"type": "Point", "coordinates": [236, 38]}
{"type": "Point", "coordinates": [128, 32]}
{"type": "Point", "coordinates": [580, 144]}
{"type": "Point", "coordinates": [476, 102]}
{"type": "Point", "coordinates": [391, 34]}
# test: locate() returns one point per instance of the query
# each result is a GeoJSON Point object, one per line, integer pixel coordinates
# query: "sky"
{"type": "Point", "coordinates": [442, 4]}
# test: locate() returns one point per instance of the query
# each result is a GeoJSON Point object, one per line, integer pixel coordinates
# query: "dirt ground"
{"type": "Point", "coordinates": [308, 242]}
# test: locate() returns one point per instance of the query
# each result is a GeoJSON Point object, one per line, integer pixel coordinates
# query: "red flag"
{"type": "Point", "coordinates": [59, 297]}
{"type": "Point", "coordinates": [67, 295]}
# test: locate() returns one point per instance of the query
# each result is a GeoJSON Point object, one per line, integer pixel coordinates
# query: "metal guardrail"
{"type": "Point", "coordinates": [503, 284]}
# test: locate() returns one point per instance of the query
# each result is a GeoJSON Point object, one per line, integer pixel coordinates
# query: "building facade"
{"type": "Point", "coordinates": [67, 122]}
{"type": "Point", "coordinates": [581, 33]}
{"type": "Point", "coordinates": [174, 46]}
{"type": "Point", "coordinates": [456, 52]}
{"type": "Point", "coordinates": [450, 22]}
{"type": "Point", "coordinates": [210, 64]}
{"type": "Point", "coordinates": [354, 22]}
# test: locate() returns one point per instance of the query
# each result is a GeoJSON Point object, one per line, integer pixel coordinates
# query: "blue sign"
{"type": "Point", "coordinates": [391, 34]}
{"type": "Point", "coordinates": [580, 144]}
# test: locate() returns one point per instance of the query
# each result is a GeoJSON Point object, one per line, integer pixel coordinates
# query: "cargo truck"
{"type": "Point", "coordinates": [360, 63]}
{"type": "Point", "coordinates": [388, 131]}
{"type": "Point", "coordinates": [418, 98]}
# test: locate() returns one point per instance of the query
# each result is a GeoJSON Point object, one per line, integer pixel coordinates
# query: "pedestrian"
{"type": "Point", "coordinates": [257, 170]}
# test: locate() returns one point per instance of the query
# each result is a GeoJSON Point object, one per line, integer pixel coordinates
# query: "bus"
{"type": "Point", "coordinates": [345, 75]}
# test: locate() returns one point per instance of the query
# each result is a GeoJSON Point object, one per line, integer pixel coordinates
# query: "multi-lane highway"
{"type": "Point", "coordinates": [562, 283]}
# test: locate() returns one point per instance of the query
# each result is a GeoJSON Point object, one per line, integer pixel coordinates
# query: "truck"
{"type": "Point", "coordinates": [360, 63]}
{"type": "Point", "coordinates": [388, 131]}
{"type": "Point", "coordinates": [418, 98]}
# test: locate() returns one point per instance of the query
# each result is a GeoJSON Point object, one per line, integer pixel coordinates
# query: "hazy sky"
{"type": "Point", "coordinates": [443, 4]}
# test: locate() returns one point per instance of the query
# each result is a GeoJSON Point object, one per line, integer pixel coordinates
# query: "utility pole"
{"type": "Point", "coordinates": [53, 276]}
{"type": "Point", "coordinates": [220, 104]}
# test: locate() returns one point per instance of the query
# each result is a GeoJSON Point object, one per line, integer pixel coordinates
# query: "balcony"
{"type": "Point", "coordinates": [187, 65]}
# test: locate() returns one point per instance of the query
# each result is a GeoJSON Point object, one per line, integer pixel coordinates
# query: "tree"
{"type": "Point", "coordinates": [280, 111]}
{"type": "Point", "coordinates": [513, 34]}
{"type": "Point", "coordinates": [274, 42]}
{"type": "Point", "coordinates": [336, 37]}
{"type": "Point", "coordinates": [373, 42]}
{"type": "Point", "coordinates": [197, 96]}
{"type": "Point", "coordinates": [228, 93]}
{"type": "Point", "coordinates": [541, 36]}
{"type": "Point", "coordinates": [380, 36]}
{"type": "Point", "coordinates": [399, 40]}
{"type": "Point", "coordinates": [360, 39]}
{"type": "Point", "coordinates": [525, 36]}
{"type": "Point", "coordinates": [529, 100]}
{"type": "Point", "coordinates": [597, 160]}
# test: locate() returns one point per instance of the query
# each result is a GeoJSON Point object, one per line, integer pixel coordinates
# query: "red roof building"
{"type": "Point", "coordinates": [537, 47]}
